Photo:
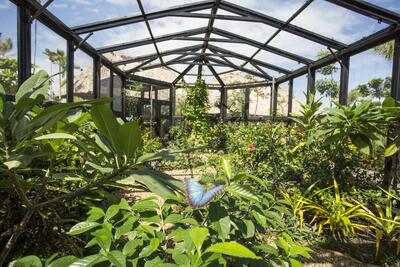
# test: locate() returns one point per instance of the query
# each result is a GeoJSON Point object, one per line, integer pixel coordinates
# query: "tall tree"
{"type": "Point", "coordinates": [386, 50]}
{"type": "Point", "coordinates": [5, 46]}
{"type": "Point", "coordinates": [58, 58]}
{"type": "Point", "coordinates": [8, 67]}
{"type": "Point", "coordinates": [327, 86]}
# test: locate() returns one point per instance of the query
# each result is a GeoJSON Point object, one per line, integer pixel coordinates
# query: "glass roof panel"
{"type": "Point", "coordinates": [336, 22]}
{"type": "Point", "coordinates": [256, 31]}
{"type": "Point", "coordinates": [118, 35]}
{"type": "Point", "coordinates": [243, 49]}
{"type": "Point", "coordinates": [174, 44]}
{"type": "Point", "coordinates": [297, 45]}
{"type": "Point", "coordinates": [280, 9]}
{"type": "Point", "coordinates": [175, 24]}
{"type": "Point", "coordinates": [78, 12]}
{"type": "Point", "coordinates": [392, 5]}
{"type": "Point", "coordinates": [153, 5]}
{"type": "Point", "coordinates": [277, 60]}
{"type": "Point", "coordinates": [136, 51]}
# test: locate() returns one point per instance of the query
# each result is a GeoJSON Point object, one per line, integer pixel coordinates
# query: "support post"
{"type": "Point", "coordinates": [24, 45]}
{"type": "Point", "coordinates": [392, 163]}
{"type": "Point", "coordinates": [290, 97]}
{"type": "Point", "coordinates": [246, 104]}
{"type": "Point", "coordinates": [344, 81]}
{"type": "Point", "coordinates": [223, 101]}
{"type": "Point", "coordinates": [172, 104]}
{"type": "Point", "coordinates": [310, 82]}
{"type": "Point", "coordinates": [96, 77]}
{"type": "Point", "coordinates": [111, 89]}
{"type": "Point", "coordinates": [70, 71]}
{"type": "Point", "coordinates": [123, 107]}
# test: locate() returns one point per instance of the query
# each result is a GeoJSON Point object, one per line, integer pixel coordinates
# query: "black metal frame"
{"type": "Point", "coordinates": [198, 54]}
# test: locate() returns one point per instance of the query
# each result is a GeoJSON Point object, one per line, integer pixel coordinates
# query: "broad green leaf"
{"type": "Point", "coordinates": [392, 149]}
{"type": "Point", "coordinates": [227, 168]}
{"type": "Point", "coordinates": [104, 237]}
{"type": "Point", "coordinates": [98, 167]}
{"type": "Point", "coordinates": [362, 142]}
{"type": "Point", "coordinates": [117, 258]}
{"type": "Point", "coordinates": [250, 229]}
{"type": "Point", "coordinates": [389, 102]}
{"type": "Point", "coordinates": [126, 227]}
{"type": "Point", "coordinates": [111, 212]}
{"type": "Point", "coordinates": [223, 227]}
{"type": "Point", "coordinates": [105, 121]}
{"type": "Point", "coordinates": [173, 218]}
{"type": "Point", "coordinates": [89, 261]}
{"type": "Point", "coordinates": [242, 191]}
{"type": "Point", "coordinates": [37, 84]}
{"type": "Point", "coordinates": [146, 251]}
{"type": "Point", "coordinates": [157, 182]}
{"type": "Point", "coordinates": [63, 261]}
{"type": "Point", "coordinates": [295, 263]}
{"type": "Point", "coordinates": [28, 261]}
{"type": "Point", "coordinates": [56, 136]}
{"type": "Point", "coordinates": [95, 214]}
{"type": "Point", "coordinates": [232, 249]}
{"type": "Point", "coordinates": [129, 136]}
{"type": "Point", "coordinates": [68, 176]}
{"type": "Point", "coordinates": [131, 246]}
{"type": "Point", "coordinates": [198, 235]}
{"type": "Point", "coordinates": [19, 161]}
{"type": "Point", "coordinates": [82, 227]}
{"type": "Point", "coordinates": [154, 243]}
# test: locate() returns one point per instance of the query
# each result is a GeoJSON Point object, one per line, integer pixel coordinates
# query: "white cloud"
{"type": "Point", "coordinates": [4, 4]}
{"type": "Point", "coordinates": [120, 2]}
{"type": "Point", "coordinates": [82, 2]}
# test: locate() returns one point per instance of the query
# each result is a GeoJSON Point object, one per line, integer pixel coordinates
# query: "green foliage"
{"type": "Point", "coordinates": [9, 74]}
{"type": "Point", "coordinates": [56, 160]}
{"type": "Point", "coordinates": [327, 86]}
{"type": "Point", "coordinates": [196, 109]}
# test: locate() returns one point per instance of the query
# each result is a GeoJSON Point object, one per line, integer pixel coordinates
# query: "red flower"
{"type": "Point", "coordinates": [365, 161]}
{"type": "Point", "coordinates": [251, 148]}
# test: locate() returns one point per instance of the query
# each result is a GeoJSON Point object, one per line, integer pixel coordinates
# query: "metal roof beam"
{"type": "Point", "coordinates": [254, 61]}
{"type": "Point", "coordinates": [147, 41]}
{"type": "Point", "coordinates": [165, 53]}
{"type": "Point", "coordinates": [364, 44]}
{"type": "Point", "coordinates": [369, 10]}
{"type": "Point", "coordinates": [239, 68]}
{"type": "Point", "coordinates": [257, 44]}
{"type": "Point", "coordinates": [274, 22]}
{"type": "Point", "coordinates": [184, 72]}
{"type": "Point", "coordinates": [126, 20]}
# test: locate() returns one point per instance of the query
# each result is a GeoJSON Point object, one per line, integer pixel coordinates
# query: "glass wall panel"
{"type": "Point", "coordinates": [8, 47]}
{"type": "Point", "coordinates": [105, 82]}
{"type": "Point", "coordinates": [117, 94]}
{"type": "Point", "coordinates": [49, 54]}
{"type": "Point", "coordinates": [83, 76]}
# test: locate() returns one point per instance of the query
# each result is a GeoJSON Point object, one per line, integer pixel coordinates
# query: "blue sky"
{"type": "Point", "coordinates": [320, 17]}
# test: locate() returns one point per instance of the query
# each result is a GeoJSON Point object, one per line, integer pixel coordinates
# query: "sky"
{"type": "Point", "coordinates": [320, 17]}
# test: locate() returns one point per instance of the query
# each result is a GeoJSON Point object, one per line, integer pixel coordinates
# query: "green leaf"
{"type": "Point", "coordinates": [28, 261]}
{"type": "Point", "coordinates": [131, 246]}
{"type": "Point", "coordinates": [198, 235]}
{"type": "Point", "coordinates": [37, 84]}
{"type": "Point", "coordinates": [111, 212]}
{"type": "Point", "coordinates": [250, 229]}
{"type": "Point", "coordinates": [154, 243]}
{"type": "Point", "coordinates": [89, 261]}
{"type": "Point", "coordinates": [223, 227]}
{"type": "Point", "coordinates": [105, 121]}
{"type": "Point", "coordinates": [389, 102]}
{"type": "Point", "coordinates": [126, 227]}
{"type": "Point", "coordinates": [56, 136]}
{"type": "Point", "coordinates": [82, 227]}
{"type": "Point", "coordinates": [157, 182]}
{"type": "Point", "coordinates": [173, 218]}
{"type": "Point", "coordinates": [2, 97]}
{"type": "Point", "coordinates": [242, 191]}
{"type": "Point", "coordinates": [68, 176]}
{"type": "Point", "coordinates": [63, 261]}
{"type": "Point", "coordinates": [117, 258]}
{"type": "Point", "coordinates": [362, 142]}
{"type": "Point", "coordinates": [232, 249]}
{"type": "Point", "coordinates": [129, 136]}
{"type": "Point", "coordinates": [19, 161]}
{"type": "Point", "coordinates": [392, 149]}
{"type": "Point", "coordinates": [295, 263]}
{"type": "Point", "coordinates": [227, 168]}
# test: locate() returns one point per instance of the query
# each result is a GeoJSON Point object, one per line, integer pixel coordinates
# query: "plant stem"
{"type": "Point", "coordinates": [14, 237]}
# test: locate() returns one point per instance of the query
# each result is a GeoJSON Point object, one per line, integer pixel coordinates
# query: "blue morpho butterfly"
{"type": "Point", "coordinates": [197, 195]}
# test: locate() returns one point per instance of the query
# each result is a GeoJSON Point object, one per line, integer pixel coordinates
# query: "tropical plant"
{"type": "Point", "coordinates": [5, 46]}
{"type": "Point", "coordinates": [386, 50]}
{"type": "Point", "coordinates": [49, 159]}
{"type": "Point", "coordinates": [385, 223]}
{"type": "Point", "coordinates": [58, 57]}
{"type": "Point", "coordinates": [341, 217]}
{"type": "Point", "coordinates": [327, 86]}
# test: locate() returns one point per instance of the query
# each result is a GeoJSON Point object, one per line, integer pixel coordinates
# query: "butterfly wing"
{"type": "Point", "coordinates": [197, 197]}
